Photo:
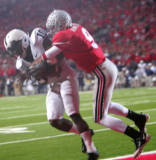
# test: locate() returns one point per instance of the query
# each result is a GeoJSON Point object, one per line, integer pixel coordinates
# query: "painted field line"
{"type": "Point", "coordinates": [89, 103]}
{"type": "Point", "coordinates": [35, 114]}
{"type": "Point", "coordinates": [21, 111]}
{"type": "Point", "coordinates": [37, 123]}
{"type": "Point", "coordinates": [84, 104]}
{"type": "Point", "coordinates": [56, 136]}
{"type": "Point", "coordinates": [105, 129]}
{"type": "Point", "coordinates": [21, 107]}
{"type": "Point", "coordinates": [35, 108]}
{"type": "Point", "coordinates": [23, 116]}
{"type": "Point", "coordinates": [139, 96]}
{"type": "Point", "coordinates": [83, 109]}
{"type": "Point", "coordinates": [17, 107]}
{"type": "Point", "coordinates": [46, 122]}
{"type": "Point", "coordinates": [141, 92]}
{"type": "Point", "coordinates": [129, 155]}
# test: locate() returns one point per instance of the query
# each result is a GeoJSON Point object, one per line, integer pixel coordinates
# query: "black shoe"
{"type": "Point", "coordinates": [141, 122]}
{"type": "Point", "coordinates": [93, 156]}
{"type": "Point", "coordinates": [84, 149]}
{"type": "Point", "coordinates": [140, 142]}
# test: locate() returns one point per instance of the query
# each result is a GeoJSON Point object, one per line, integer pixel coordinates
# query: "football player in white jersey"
{"type": "Point", "coordinates": [62, 95]}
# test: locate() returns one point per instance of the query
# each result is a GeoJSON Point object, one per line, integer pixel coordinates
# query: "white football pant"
{"type": "Point", "coordinates": [67, 100]}
{"type": "Point", "coordinates": [106, 75]}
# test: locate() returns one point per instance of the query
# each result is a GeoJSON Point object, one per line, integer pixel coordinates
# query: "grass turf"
{"type": "Point", "coordinates": [43, 142]}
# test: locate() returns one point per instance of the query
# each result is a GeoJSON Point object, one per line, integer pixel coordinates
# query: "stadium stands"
{"type": "Point", "coordinates": [126, 30]}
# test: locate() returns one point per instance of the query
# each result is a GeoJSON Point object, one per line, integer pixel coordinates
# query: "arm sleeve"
{"type": "Point", "coordinates": [52, 52]}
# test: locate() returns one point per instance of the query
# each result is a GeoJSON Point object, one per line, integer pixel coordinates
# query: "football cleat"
{"type": "Point", "coordinates": [93, 156]}
{"type": "Point", "coordinates": [84, 149]}
{"type": "Point", "coordinates": [141, 122]}
{"type": "Point", "coordinates": [140, 142]}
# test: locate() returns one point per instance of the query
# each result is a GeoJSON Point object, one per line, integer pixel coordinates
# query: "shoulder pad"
{"type": "Point", "coordinates": [38, 35]}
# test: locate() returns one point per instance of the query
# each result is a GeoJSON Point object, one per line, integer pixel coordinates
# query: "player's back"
{"type": "Point", "coordinates": [78, 45]}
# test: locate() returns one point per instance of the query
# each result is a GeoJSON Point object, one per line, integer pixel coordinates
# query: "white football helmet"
{"type": "Point", "coordinates": [16, 42]}
{"type": "Point", "coordinates": [58, 20]}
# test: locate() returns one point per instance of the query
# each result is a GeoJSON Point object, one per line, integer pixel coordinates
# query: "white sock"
{"type": "Point", "coordinates": [74, 129]}
{"type": "Point", "coordinates": [88, 141]}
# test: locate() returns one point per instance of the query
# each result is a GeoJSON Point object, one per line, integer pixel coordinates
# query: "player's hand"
{"type": "Point", "coordinates": [37, 61]}
{"type": "Point", "coordinates": [52, 61]}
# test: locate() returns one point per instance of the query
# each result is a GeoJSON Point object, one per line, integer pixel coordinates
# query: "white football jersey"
{"type": "Point", "coordinates": [36, 42]}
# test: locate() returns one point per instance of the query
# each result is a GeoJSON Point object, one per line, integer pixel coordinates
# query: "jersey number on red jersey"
{"type": "Point", "coordinates": [89, 38]}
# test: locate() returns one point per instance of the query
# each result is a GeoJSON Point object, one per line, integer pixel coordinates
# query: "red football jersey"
{"type": "Point", "coordinates": [77, 44]}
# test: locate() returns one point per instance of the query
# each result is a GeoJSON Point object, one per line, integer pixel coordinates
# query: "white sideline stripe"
{"type": "Point", "coordinates": [39, 114]}
{"type": "Point", "coordinates": [60, 135]}
{"type": "Point", "coordinates": [129, 155]}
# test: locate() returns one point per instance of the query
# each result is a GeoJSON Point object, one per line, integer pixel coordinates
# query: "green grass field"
{"type": "Point", "coordinates": [37, 140]}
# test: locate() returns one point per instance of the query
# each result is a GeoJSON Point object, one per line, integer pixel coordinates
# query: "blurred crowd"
{"type": "Point", "coordinates": [125, 29]}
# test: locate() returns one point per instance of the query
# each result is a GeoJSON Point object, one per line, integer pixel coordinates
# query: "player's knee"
{"type": "Point", "coordinates": [80, 123]}
{"type": "Point", "coordinates": [61, 124]}
{"type": "Point", "coordinates": [77, 118]}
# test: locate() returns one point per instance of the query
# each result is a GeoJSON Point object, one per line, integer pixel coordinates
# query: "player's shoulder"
{"type": "Point", "coordinates": [67, 34]}
{"type": "Point", "coordinates": [37, 35]}
{"type": "Point", "coordinates": [39, 31]}
{"type": "Point", "coordinates": [60, 36]}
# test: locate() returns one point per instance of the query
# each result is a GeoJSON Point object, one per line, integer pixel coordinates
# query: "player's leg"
{"type": "Point", "coordinates": [104, 85]}
{"type": "Point", "coordinates": [106, 76]}
{"type": "Point", "coordinates": [140, 119]}
{"type": "Point", "coordinates": [70, 97]}
{"type": "Point", "coordinates": [55, 111]}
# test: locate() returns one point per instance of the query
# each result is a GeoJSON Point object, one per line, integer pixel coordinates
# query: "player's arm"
{"type": "Point", "coordinates": [22, 66]}
{"type": "Point", "coordinates": [50, 56]}
{"type": "Point", "coordinates": [51, 53]}
{"type": "Point", "coordinates": [60, 43]}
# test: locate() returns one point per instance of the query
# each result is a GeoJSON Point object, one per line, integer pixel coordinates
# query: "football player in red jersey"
{"type": "Point", "coordinates": [78, 45]}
